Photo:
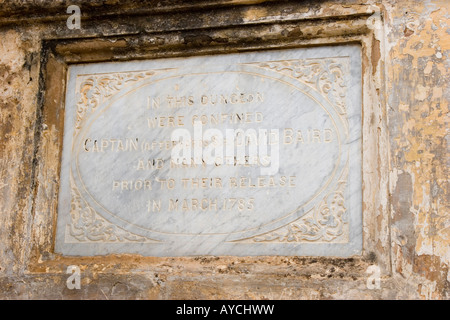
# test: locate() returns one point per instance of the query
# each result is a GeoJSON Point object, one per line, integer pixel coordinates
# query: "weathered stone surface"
{"type": "Point", "coordinates": [407, 53]}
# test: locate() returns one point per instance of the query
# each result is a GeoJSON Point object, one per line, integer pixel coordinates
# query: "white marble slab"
{"type": "Point", "coordinates": [121, 191]}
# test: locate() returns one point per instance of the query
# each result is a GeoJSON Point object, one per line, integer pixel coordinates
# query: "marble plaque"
{"type": "Point", "coordinates": [255, 153]}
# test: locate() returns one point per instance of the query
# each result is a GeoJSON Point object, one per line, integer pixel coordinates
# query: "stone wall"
{"type": "Point", "coordinates": [405, 60]}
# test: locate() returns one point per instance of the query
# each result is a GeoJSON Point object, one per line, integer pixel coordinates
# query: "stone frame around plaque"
{"type": "Point", "coordinates": [363, 28]}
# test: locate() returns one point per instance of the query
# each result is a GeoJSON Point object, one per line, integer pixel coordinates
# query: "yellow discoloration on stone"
{"type": "Point", "coordinates": [255, 14]}
{"type": "Point", "coordinates": [409, 54]}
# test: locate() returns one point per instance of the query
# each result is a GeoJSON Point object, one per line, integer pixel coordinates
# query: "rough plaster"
{"type": "Point", "coordinates": [408, 58]}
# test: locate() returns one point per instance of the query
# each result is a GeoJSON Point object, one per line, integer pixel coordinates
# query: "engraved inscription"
{"type": "Point", "coordinates": [238, 154]}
